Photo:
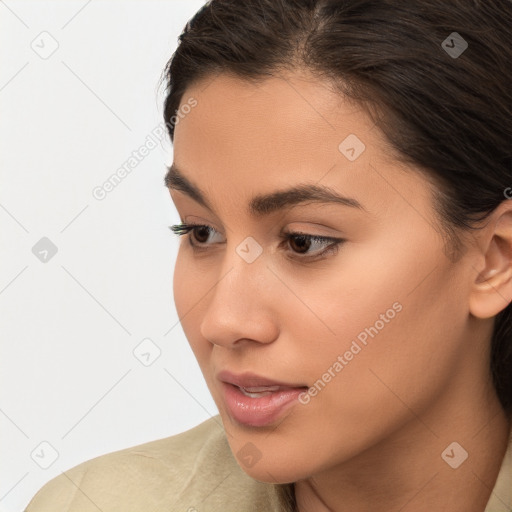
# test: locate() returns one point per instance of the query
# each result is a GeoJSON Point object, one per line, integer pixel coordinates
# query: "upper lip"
{"type": "Point", "coordinates": [250, 380]}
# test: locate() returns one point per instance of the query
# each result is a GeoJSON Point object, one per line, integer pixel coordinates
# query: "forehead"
{"type": "Point", "coordinates": [244, 138]}
{"type": "Point", "coordinates": [288, 108]}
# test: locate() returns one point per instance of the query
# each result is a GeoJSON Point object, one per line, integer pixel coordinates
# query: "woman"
{"type": "Point", "coordinates": [342, 170]}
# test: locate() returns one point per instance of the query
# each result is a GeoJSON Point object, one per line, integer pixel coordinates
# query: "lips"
{"type": "Point", "coordinates": [250, 380]}
{"type": "Point", "coordinates": [256, 401]}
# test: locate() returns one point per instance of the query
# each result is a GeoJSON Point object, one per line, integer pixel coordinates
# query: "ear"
{"type": "Point", "coordinates": [492, 289]}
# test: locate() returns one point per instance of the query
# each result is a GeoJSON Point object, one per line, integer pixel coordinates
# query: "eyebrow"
{"type": "Point", "coordinates": [264, 204]}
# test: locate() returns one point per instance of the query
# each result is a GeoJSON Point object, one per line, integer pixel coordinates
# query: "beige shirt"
{"type": "Point", "coordinates": [194, 471]}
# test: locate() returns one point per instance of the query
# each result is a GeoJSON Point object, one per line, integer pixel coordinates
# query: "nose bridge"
{"type": "Point", "coordinates": [240, 303]}
{"type": "Point", "coordinates": [243, 272]}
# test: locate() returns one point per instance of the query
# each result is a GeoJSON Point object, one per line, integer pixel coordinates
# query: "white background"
{"type": "Point", "coordinates": [68, 326]}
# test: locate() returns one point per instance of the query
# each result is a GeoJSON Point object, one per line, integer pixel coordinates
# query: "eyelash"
{"type": "Point", "coordinates": [184, 229]}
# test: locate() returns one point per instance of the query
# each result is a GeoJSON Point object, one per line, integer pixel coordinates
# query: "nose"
{"type": "Point", "coordinates": [241, 307]}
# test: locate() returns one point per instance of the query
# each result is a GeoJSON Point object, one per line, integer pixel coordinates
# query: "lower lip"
{"type": "Point", "coordinates": [258, 412]}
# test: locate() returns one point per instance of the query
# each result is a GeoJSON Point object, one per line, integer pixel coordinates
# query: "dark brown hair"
{"type": "Point", "coordinates": [448, 114]}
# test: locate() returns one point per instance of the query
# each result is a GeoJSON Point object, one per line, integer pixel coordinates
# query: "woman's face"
{"type": "Point", "coordinates": [375, 327]}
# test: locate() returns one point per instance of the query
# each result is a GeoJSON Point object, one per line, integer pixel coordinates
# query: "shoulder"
{"type": "Point", "coordinates": [188, 472]}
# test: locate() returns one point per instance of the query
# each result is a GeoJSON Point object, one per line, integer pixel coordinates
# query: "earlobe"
{"type": "Point", "coordinates": [492, 288]}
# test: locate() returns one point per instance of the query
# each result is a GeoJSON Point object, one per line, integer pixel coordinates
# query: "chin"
{"type": "Point", "coordinates": [268, 463]}
{"type": "Point", "coordinates": [275, 473]}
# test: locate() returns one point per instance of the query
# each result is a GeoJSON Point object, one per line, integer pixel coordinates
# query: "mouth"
{"type": "Point", "coordinates": [256, 401]}
{"type": "Point", "coordinates": [253, 382]}
{"type": "Point", "coordinates": [259, 391]}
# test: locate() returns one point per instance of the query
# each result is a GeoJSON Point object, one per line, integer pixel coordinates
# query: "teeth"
{"type": "Point", "coordinates": [257, 392]}
{"type": "Point", "coordinates": [261, 388]}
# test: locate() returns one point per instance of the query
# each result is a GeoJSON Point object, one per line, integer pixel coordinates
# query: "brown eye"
{"type": "Point", "coordinates": [201, 233]}
{"type": "Point", "coordinates": [199, 236]}
{"type": "Point", "coordinates": [300, 243]}
{"type": "Point", "coordinates": [305, 247]}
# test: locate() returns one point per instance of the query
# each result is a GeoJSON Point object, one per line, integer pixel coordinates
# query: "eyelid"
{"type": "Point", "coordinates": [286, 236]}
{"type": "Point", "coordinates": [185, 227]}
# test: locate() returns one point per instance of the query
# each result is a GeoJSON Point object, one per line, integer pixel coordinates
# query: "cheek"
{"type": "Point", "coordinates": [188, 290]}
{"type": "Point", "coordinates": [181, 288]}
{"type": "Point", "coordinates": [399, 330]}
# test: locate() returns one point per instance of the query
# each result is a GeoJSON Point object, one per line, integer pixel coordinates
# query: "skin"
{"type": "Point", "coordinates": [375, 433]}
